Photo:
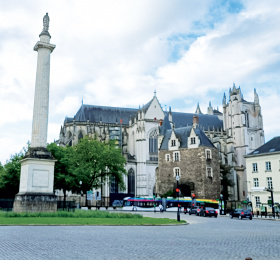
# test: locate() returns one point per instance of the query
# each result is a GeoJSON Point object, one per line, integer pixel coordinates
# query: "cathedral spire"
{"type": "Point", "coordinates": [256, 97]}
{"type": "Point", "coordinates": [198, 111]}
{"type": "Point", "coordinates": [170, 115]}
{"type": "Point", "coordinates": [210, 109]}
{"type": "Point", "coordinates": [224, 99]}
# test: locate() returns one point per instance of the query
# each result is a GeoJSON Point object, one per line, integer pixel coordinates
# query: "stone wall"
{"type": "Point", "coordinates": [192, 166]}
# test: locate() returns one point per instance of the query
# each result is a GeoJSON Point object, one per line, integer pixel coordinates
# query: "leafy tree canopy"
{"type": "Point", "coordinates": [63, 177]}
{"type": "Point", "coordinates": [95, 162]}
{"type": "Point", "coordinates": [10, 175]}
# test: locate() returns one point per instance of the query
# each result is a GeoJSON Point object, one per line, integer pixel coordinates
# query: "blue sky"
{"type": "Point", "coordinates": [118, 52]}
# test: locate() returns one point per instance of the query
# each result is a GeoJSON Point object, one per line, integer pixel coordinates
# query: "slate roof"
{"type": "Point", "coordinates": [111, 115]}
{"type": "Point", "coordinates": [165, 125]}
{"type": "Point", "coordinates": [182, 134]}
{"type": "Point", "coordinates": [103, 113]}
{"type": "Point", "coordinates": [205, 121]}
{"type": "Point", "coordinates": [272, 146]}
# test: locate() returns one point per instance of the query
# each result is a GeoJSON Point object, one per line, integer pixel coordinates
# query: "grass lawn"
{"type": "Point", "coordinates": [82, 218]}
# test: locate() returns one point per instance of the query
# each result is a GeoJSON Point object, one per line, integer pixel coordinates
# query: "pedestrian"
{"type": "Point", "coordinates": [160, 208]}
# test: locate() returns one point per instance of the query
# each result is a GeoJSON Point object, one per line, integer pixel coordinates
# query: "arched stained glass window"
{"type": "Point", "coordinates": [131, 181]}
{"type": "Point", "coordinates": [153, 145]}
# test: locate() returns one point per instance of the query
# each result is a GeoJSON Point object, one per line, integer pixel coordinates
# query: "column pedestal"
{"type": "Point", "coordinates": [36, 183]}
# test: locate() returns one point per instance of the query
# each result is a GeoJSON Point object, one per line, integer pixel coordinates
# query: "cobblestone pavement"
{"type": "Point", "coordinates": [204, 238]}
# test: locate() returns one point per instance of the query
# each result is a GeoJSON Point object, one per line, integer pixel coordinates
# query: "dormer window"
{"type": "Point", "coordinates": [173, 142]}
{"type": "Point", "coordinates": [192, 140]}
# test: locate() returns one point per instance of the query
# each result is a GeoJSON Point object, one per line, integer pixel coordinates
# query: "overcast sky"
{"type": "Point", "coordinates": [117, 53]}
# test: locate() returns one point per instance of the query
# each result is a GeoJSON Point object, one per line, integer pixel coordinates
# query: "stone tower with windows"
{"type": "Point", "coordinates": [242, 120]}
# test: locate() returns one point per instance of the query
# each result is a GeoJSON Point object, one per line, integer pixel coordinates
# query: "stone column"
{"type": "Point", "coordinates": [37, 168]}
{"type": "Point", "coordinates": [41, 99]}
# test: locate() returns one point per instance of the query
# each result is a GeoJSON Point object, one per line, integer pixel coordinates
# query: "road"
{"type": "Point", "coordinates": [204, 238]}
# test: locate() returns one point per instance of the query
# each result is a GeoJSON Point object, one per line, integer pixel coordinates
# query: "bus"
{"type": "Point", "coordinates": [169, 203]}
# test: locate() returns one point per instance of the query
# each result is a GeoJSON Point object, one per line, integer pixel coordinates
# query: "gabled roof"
{"type": "Point", "coordinates": [104, 114]}
{"type": "Point", "coordinates": [272, 146]}
{"type": "Point", "coordinates": [182, 134]}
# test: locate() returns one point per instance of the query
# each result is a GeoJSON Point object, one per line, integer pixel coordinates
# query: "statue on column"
{"type": "Point", "coordinates": [46, 21]}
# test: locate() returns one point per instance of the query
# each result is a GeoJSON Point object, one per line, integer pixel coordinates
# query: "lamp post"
{"type": "Point", "coordinates": [272, 200]}
{"type": "Point", "coordinates": [271, 192]}
{"type": "Point", "coordinates": [221, 204]}
{"type": "Point", "coordinates": [177, 192]}
{"type": "Point", "coordinates": [81, 191]}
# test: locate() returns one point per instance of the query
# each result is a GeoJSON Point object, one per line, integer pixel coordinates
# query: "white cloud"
{"type": "Point", "coordinates": [118, 52]}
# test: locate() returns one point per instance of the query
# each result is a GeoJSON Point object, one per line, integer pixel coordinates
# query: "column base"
{"type": "Point", "coordinates": [35, 202]}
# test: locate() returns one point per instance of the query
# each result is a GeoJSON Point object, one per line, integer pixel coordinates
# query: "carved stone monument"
{"type": "Point", "coordinates": [37, 167]}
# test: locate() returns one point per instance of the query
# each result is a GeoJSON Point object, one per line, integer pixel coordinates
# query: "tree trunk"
{"type": "Point", "coordinates": [64, 199]}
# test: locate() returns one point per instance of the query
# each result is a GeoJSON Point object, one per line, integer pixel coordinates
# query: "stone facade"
{"type": "Point", "coordinates": [187, 158]}
{"type": "Point", "coordinates": [193, 173]}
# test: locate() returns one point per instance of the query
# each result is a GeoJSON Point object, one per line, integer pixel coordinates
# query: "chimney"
{"type": "Point", "coordinates": [195, 121]}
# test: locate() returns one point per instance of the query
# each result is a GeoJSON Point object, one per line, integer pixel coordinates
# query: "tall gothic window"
{"type": "Point", "coordinates": [131, 181]}
{"type": "Point", "coordinates": [153, 145]}
{"type": "Point", "coordinates": [247, 118]}
{"type": "Point", "coordinates": [70, 138]}
{"type": "Point", "coordinates": [114, 185]}
{"type": "Point", "coordinates": [80, 136]}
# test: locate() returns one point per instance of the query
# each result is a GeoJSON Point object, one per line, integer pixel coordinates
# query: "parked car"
{"type": "Point", "coordinates": [117, 203]}
{"type": "Point", "coordinates": [194, 210]}
{"type": "Point", "coordinates": [208, 212]}
{"type": "Point", "coordinates": [241, 213]}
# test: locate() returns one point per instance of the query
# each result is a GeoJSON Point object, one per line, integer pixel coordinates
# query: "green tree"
{"type": "Point", "coordinates": [10, 176]}
{"type": "Point", "coordinates": [226, 180]}
{"type": "Point", "coordinates": [94, 162]}
{"type": "Point", "coordinates": [63, 178]}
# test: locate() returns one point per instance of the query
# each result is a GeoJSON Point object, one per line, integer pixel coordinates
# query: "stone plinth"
{"type": "Point", "coordinates": [37, 175]}
{"type": "Point", "coordinates": [35, 202]}
{"type": "Point", "coordinates": [36, 183]}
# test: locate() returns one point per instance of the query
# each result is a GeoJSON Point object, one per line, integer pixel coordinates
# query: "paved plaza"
{"type": "Point", "coordinates": [204, 238]}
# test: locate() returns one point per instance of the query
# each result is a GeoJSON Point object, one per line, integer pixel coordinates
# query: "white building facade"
{"type": "Point", "coordinates": [263, 172]}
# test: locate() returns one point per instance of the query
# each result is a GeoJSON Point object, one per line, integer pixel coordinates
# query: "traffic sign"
{"type": "Point", "coordinates": [89, 195]}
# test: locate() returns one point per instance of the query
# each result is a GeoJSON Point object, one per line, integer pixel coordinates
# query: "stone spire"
{"type": "Point", "coordinates": [198, 111]}
{"type": "Point", "coordinates": [210, 109]}
{"type": "Point", "coordinates": [224, 99]}
{"type": "Point", "coordinates": [256, 97]}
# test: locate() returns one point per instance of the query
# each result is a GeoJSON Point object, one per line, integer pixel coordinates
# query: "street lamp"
{"type": "Point", "coordinates": [271, 192]}
{"type": "Point", "coordinates": [81, 191]}
{"type": "Point", "coordinates": [221, 204]}
{"type": "Point", "coordinates": [177, 193]}
{"type": "Point", "coordinates": [272, 200]}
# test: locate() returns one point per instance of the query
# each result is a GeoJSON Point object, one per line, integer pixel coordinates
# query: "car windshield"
{"type": "Point", "coordinates": [209, 208]}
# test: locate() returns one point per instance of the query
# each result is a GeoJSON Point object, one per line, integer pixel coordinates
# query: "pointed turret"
{"type": "Point", "coordinates": [256, 97]}
{"type": "Point", "coordinates": [210, 109]}
{"type": "Point", "coordinates": [198, 111]}
{"type": "Point", "coordinates": [170, 115]}
{"type": "Point", "coordinates": [224, 99]}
